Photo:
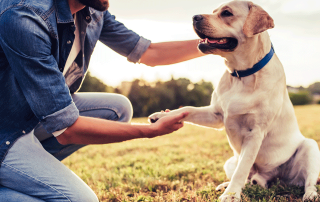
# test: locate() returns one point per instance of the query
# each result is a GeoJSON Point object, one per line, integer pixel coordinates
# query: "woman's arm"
{"type": "Point", "coordinates": [87, 130]}
{"type": "Point", "coordinates": [166, 53]}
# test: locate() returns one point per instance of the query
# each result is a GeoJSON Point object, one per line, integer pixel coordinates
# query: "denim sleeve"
{"type": "Point", "coordinates": [26, 42]}
{"type": "Point", "coordinates": [122, 40]}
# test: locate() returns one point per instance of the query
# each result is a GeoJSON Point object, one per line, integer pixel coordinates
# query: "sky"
{"type": "Point", "coordinates": [296, 39]}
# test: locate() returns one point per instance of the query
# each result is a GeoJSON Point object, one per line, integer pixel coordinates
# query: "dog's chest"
{"type": "Point", "coordinates": [239, 127]}
{"type": "Point", "coordinates": [240, 108]}
{"type": "Point", "coordinates": [235, 96]}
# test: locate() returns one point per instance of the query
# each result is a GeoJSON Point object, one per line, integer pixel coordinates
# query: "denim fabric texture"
{"type": "Point", "coordinates": [32, 171]}
{"type": "Point", "coordinates": [35, 40]}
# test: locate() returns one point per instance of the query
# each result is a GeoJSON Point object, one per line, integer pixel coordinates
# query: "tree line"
{"type": "Point", "coordinates": [147, 98]}
{"type": "Point", "coordinates": [303, 96]}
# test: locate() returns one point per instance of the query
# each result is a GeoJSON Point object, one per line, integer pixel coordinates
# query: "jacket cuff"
{"type": "Point", "coordinates": [141, 47]}
{"type": "Point", "coordinates": [61, 119]}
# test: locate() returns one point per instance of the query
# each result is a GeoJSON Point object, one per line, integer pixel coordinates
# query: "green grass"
{"type": "Point", "coordinates": [186, 165]}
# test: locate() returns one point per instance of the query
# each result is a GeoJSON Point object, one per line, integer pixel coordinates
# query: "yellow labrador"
{"type": "Point", "coordinates": [251, 101]}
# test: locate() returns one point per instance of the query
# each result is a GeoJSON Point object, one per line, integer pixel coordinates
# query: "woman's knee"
{"type": "Point", "coordinates": [125, 110]}
{"type": "Point", "coordinates": [87, 195]}
{"type": "Point", "coordinates": [108, 106]}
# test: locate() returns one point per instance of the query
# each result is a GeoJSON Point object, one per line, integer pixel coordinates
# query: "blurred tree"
{"type": "Point", "coordinates": [147, 99]}
{"type": "Point", "coordinates": [179, 90]}
{"type": "Point", "coordinates": [139, 98]}
{"type": "Point", "coordinates": [300, 98]}
{"type": "Point", "coordinates": [315, 88]}
{"type": "Point", "coordinates": [200, 95]}
{"type": "Point", "coordinates": [93, 84]}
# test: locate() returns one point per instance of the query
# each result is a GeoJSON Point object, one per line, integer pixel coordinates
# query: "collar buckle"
{"type": "Point", "coordinates": [235, 71]}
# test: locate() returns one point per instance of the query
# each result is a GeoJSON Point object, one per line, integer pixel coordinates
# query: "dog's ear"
{"type": "Point", "coordinates": [258, 20]}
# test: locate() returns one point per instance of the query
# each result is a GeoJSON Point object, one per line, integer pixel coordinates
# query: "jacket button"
{"type": "Point", "coordinates": [24, 132]}
{"type": "Point", "coordinates": [88, 17]}
{"type": "Point", "coordinates": [69, 42]}
{"type": "Point", "coordinates": [7, 142]}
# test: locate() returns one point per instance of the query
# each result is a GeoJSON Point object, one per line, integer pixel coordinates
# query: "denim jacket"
{"type": "Point", "coordinates": [35, 40]}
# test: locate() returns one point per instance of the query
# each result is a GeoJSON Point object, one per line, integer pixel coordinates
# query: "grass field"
{"type": "Point", "coordinates": [186, 165]}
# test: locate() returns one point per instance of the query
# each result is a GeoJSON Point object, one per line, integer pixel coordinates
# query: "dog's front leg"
{"type": "Point", "coordinates": [249, 150]}
{"type": "Point", "coordinates": [203, 116]}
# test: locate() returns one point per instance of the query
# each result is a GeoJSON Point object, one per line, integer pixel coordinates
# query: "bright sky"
{"type": "Point", "coordinates": [296, 39]}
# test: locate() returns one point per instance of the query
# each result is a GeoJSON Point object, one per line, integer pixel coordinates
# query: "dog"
{"type": "Point", "coordinates": [252, 103]}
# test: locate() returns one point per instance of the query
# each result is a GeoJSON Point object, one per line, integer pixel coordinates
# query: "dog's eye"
{"type": "Point", "coordinates": [226, 13]}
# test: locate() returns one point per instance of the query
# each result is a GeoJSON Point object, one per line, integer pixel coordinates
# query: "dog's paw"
{"type": "Point", "coordinates": [311, 196]}
{"type": "Point", "coordinates": [156, 116]}
{"type": "Point", "coordinates": [259, 180]}
{"type": "Point", "coordinates": [229, 197]}
{"type": "Point", "coordinates": [222, 186]}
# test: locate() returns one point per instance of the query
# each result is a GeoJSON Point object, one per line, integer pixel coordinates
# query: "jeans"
{"type": "Point", "coordinates": [32, 171]}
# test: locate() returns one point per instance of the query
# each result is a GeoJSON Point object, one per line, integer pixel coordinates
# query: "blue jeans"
{"type": "Point", "coordinates": [32, 171]}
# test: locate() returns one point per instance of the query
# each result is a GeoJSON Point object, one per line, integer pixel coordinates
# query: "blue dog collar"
{"type": "Point", "coordinates": [255, 67]}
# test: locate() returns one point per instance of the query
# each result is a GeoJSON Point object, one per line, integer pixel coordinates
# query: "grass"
{"type": "Point", "coordinates": [186, 165]}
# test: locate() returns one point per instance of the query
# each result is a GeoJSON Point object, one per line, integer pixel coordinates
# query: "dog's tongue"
{"type": "Point", "coordinates": [218, 41]}
{"type": "Point", "coordinates": [213, 40]}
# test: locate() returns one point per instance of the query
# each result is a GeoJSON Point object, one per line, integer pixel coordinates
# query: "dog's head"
{"type": "Point", "coordinates": [229, 26]}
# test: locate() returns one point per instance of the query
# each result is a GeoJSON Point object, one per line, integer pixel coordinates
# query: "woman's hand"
{"type": "Point", "coordinates": [167, 124]}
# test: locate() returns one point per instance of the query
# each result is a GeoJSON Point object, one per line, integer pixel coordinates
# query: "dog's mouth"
{"type": "Point", "coordinates": [207, 43]}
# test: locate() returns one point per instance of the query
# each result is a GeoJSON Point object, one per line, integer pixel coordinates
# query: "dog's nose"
{"type": "Point", "coordinates": [197, 17]}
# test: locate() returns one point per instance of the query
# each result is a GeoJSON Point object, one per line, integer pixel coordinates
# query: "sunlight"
{"type": "Point", "coordinates": [294, 45]}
